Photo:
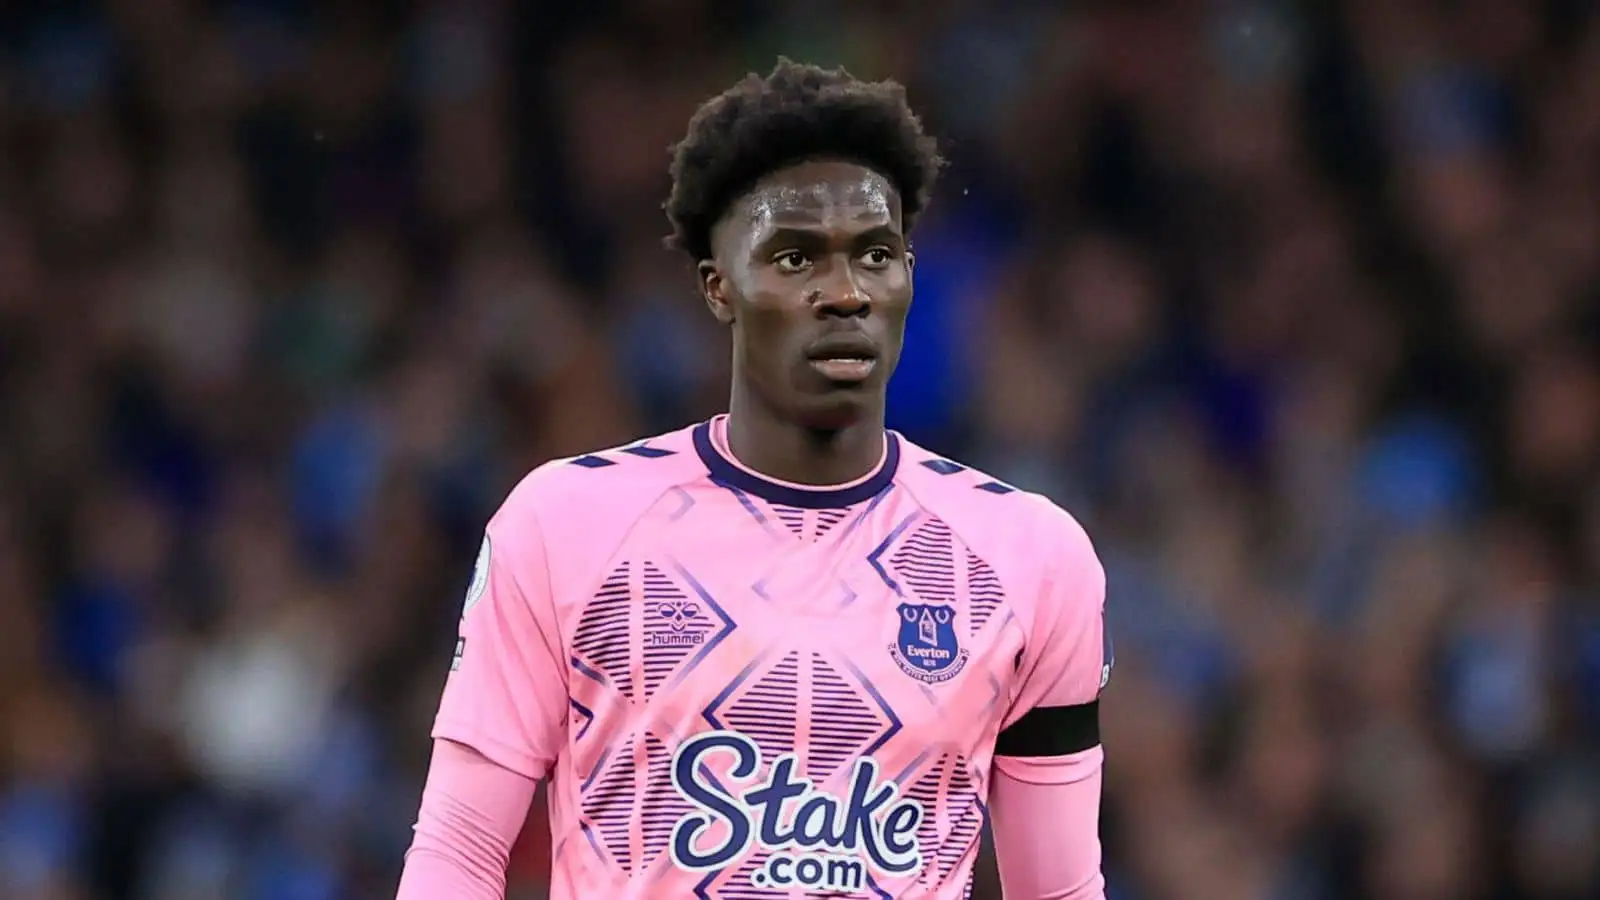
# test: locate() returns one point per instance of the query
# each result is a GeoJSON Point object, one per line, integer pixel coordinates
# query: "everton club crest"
{"type": "Point", "coordinates": [926, 647]}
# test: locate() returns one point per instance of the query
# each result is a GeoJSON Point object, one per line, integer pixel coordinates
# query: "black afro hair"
{"type": "Point", "coordinates": [798, 112]}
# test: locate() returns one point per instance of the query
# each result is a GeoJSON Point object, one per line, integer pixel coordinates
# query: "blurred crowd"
{"type": "Point", "coordinates": [1295, 305]}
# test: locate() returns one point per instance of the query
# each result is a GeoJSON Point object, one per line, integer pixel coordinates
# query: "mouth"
{"type": "Point", "coordinates": [848, 358]}
{"type": "Point", "coordinates": [844, 368]}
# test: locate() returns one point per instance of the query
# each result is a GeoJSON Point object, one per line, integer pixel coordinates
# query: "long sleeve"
{"type": "Point", "coordinates": [472, 812]}
{"type": "Point", "coordinates": [1046, 818]}
{"type": "Point", "coordinates": [500, 725]}
{"type": "Point", "coordinates": [1045, 791]}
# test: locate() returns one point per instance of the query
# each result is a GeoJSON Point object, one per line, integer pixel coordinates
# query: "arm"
{"type": "Point", "coordinates": [472, 813]}
{"type": "Point", "coordinates": [1045, 791]}
{"type": "Point", "coordinates": [1045, 813]}
{"type": "Point", "coordinates": [501, 722]}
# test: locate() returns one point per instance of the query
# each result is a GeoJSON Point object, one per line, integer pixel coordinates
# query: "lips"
{"type": "Point", "coordinates": [853, 346]}
{"type": "Point", "coordinates": [844, 358]}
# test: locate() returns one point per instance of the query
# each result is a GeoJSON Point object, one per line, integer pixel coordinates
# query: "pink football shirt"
{"type": "Point", "coordinates": [743, 688]}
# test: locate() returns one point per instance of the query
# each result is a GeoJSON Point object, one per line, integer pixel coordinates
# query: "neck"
{"type": "Point", "coordinates": [790, 451]}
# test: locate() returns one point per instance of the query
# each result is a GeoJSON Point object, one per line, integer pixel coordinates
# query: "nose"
{"type": "Point", "coordinates": [841, 295]}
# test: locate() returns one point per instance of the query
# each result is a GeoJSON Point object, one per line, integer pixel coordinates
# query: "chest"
{"type": "Point", "coordinates": [874, 639]}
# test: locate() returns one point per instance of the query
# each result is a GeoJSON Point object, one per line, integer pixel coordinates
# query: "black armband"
{"type": "Point", "coordinates": [1052, 731]}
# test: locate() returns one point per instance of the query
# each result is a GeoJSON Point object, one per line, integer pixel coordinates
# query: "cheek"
{"type": "Point", "coordinates": [894, 290]}
{"type": "Point", "coordinates": [772, 307]}
{"type": "Point", "coordinates": [764, 329]}
{"type": "Point", "coordinates": [765, 319]}
{"type": "Point", "coordinates": [754, 295]}
{"type": "Point", "coordinates": [894, 298]}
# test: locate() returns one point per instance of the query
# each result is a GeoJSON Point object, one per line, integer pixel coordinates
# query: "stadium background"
{"type": "Point", "coordinates": [1296, 305]}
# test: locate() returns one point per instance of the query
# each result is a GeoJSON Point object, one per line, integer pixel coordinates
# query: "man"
{"type": "Point", "coordinates": [784, 652]}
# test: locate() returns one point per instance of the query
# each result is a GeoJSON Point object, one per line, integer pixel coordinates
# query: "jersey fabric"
{"type": "Point", "coordinates": [742, 688]}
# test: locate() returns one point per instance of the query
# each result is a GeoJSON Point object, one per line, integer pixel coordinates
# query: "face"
{"type": "Point", "coordinates": [812, 271]}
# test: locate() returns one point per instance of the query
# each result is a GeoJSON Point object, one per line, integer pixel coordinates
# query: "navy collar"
{"type": "Point", "coordinates": [726, 473]}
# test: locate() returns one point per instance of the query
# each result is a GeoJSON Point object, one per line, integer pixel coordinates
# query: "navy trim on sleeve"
{"type": "Point", "coordinates": [1052, 731]}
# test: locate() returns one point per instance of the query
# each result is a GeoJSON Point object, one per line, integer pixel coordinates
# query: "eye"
{"type": "Point", "coordinates": [878, 257]}
{"type": "Point", "coordinates": [791, 261]}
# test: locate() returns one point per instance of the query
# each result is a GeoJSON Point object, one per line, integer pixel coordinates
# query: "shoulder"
{"type": "Point", "coordinates": [1041, 552]}
{"type": "Point", "coordinates": [986, 509]}
{"type": "Point", "coordinates": [585, 499]}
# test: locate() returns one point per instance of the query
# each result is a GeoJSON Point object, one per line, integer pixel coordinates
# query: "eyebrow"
{"type": "Point", "coordinates": [812, 235]}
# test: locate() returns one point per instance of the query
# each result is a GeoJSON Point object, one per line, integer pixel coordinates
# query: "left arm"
{"type": "Point", "coordinates": [1045, 812]}
{"type": "Point", "coordinates": [1044, 797]}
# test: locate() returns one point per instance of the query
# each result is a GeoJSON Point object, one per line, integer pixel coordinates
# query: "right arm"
{"type": "Point", "coordinates": [472, 813]}
{"type": "Point", "coordinates": [501, 722]}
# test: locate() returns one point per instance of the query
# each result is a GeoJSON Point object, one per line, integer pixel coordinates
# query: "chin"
{"type": "Point", "coordinates": [835, 410]}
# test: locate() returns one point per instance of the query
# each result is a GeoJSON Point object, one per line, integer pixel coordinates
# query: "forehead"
{"type": "Point", "coordinates": [818, 195]}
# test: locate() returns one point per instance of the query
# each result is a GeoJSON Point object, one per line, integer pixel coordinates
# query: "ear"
{"type": "Point", "coordinates": [714, 287]}
{"type": "Point", "coordinates": [911, 260]}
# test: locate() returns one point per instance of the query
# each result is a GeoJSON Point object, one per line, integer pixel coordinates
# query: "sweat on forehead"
{"type": "Point", "coordinates": [812, 191]}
